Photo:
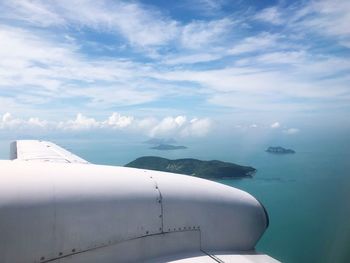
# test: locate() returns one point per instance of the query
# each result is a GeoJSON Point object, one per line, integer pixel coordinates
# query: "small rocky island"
{"type": "Point", "coordinates": [167, 147]}
{"type": "Point", "coordinates": [279, 150]}
{"type": "Point", "coordinates": [204, 169]}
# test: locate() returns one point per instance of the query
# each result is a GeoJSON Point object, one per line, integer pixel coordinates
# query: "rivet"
{"type": "Point", "coordinates": [156, 187]}
{"type": "Point", "coordinates": [147, 232]}
{"type": "Point", "coordinates": [160, 229]}
{"type": "Point", "coordinates": [73, 250]}
{"type": "Point", "coordinates": [160, 215]}
{"type": "Point", "coordinates": [179, 228]}
{"type": "Point", "coordinates": [159, 201]}
{"type": "Point", "coordinates": [60, 254]}
{"type": "Point", "coordinates": [42, 258]}
{"type": "Point", "coordinates": [169, 229]}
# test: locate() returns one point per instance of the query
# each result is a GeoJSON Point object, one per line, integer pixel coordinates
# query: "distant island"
{"type": "Point", "coordinates": [164, 144]}
{"type": "Point", "coordinates": [157, 141]}
{"type": "Point", "coordinates": [166, 147]}
{"type": "Point", "coordinates": [279, 150]}
{"type": "Point", "coordinates": [204, 169]}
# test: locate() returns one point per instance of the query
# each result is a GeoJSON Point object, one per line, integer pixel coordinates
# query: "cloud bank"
{"type": "Point", "coordinates": [179, 126]}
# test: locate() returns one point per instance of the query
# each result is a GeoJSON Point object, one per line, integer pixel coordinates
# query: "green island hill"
{"type": "Point", "coordinates": [205, 169]}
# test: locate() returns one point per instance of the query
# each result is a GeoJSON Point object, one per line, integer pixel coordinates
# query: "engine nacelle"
{"type": "Point", "coordinates": [91, 213]}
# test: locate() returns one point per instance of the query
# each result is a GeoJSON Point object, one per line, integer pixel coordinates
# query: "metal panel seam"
{"type": "Point", "coordinates": [55, 151]}
{"type": "Point", "coordinates": [213, 257]}
{"type": "Point", "coordinates": [160, 201]}
{"type": "Point", "coordinates": [107, 245]}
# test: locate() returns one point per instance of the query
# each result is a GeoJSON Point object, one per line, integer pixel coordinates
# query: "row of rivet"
{"type": "Point", "coordinates": [147, 232]}
{"type": "Point", "coordinates": [59, 254]}
{"type": "Point", "coordinates": [179, 229]}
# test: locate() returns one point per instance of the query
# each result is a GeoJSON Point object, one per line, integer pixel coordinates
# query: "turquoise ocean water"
{"type": "Point", "coordinates": [307, 194]}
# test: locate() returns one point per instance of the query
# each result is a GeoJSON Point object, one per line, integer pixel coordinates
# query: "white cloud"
{"type": "Point", "coordinates": [145, 124]}
{"type": "Point", "coordinates": [260, 42]}
{"type": "Point", "coordinates": [169, 126]}
{"type": "Point", "coordinates": [6, 117]}
{"type": "Point", "coordinates": [178, 126]}
{"type": "Point", "coordinates": [181, 126]}
{"type": "Point", "coordinates": [180, 120]}
{"type": "Point", "coordinates": [37, 122]}
{"type": "Point", "coordinates": [9, 122]}
{"type": "Point", "coordinates": [191, 59]}
{"type": "Point", "coordinates": [327, 18]}
{"type": "Point", "coordinates": [284, 57]}
{"type": "Point", "coordinates": [32, 12]}
{"type": "Point", "coordinates": [275, 125]}
{"type": "Point", "coordinates": [43, 68]}
{"type": "Point", "coordinates": [291, 131]}
{"type": "Point", "coordinates": [263, 102]}
{"type": "Point", "coordinates": [139, 24]}
{"type": "Point", "coordinates": [271, 15]}
{"type": "Point", "coordinates": [116, 120]}
{"type": "Point", "coordinates": [254, 87]}
{"type": "Point", "coordinates": [200, 34]}
{"type": "Point", "coordinates": [331, 17]}
{"type": "Point", "coordinates": [81, 122]}
{"type": "Point", "coordinates": [197, 128]}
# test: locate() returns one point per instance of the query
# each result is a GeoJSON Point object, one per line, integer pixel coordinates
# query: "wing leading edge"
{"type": "Point", "coordinates": [34, 150]}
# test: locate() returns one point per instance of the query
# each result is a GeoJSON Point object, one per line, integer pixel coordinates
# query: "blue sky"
{"type": "Point", "coordinates": [173, 68]}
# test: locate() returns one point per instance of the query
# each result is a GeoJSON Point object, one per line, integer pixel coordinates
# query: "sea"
{"type": "Point", "coordinates": [306, 194]}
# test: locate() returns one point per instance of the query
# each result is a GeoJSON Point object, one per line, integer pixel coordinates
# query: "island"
{"type": "Point", "coordinates": [166, 147]}
{"type": "Point", "coordinates": [279, 150]}
{"type": "Point", "coordinates": [204, 169]}
{"type": "Point", "coordinates": [156, 141]}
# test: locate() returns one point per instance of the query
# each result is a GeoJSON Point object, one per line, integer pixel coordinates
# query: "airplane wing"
{"type": "Point", "coordinates": [142, 215]}
{"type": "Point", "coordinates": [34, 150]}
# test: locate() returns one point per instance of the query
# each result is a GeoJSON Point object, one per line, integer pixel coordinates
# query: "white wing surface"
{"type": "Point", "coordinates": [34, 150]}
{"type": "Point", "coordinates": [55, 208]}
